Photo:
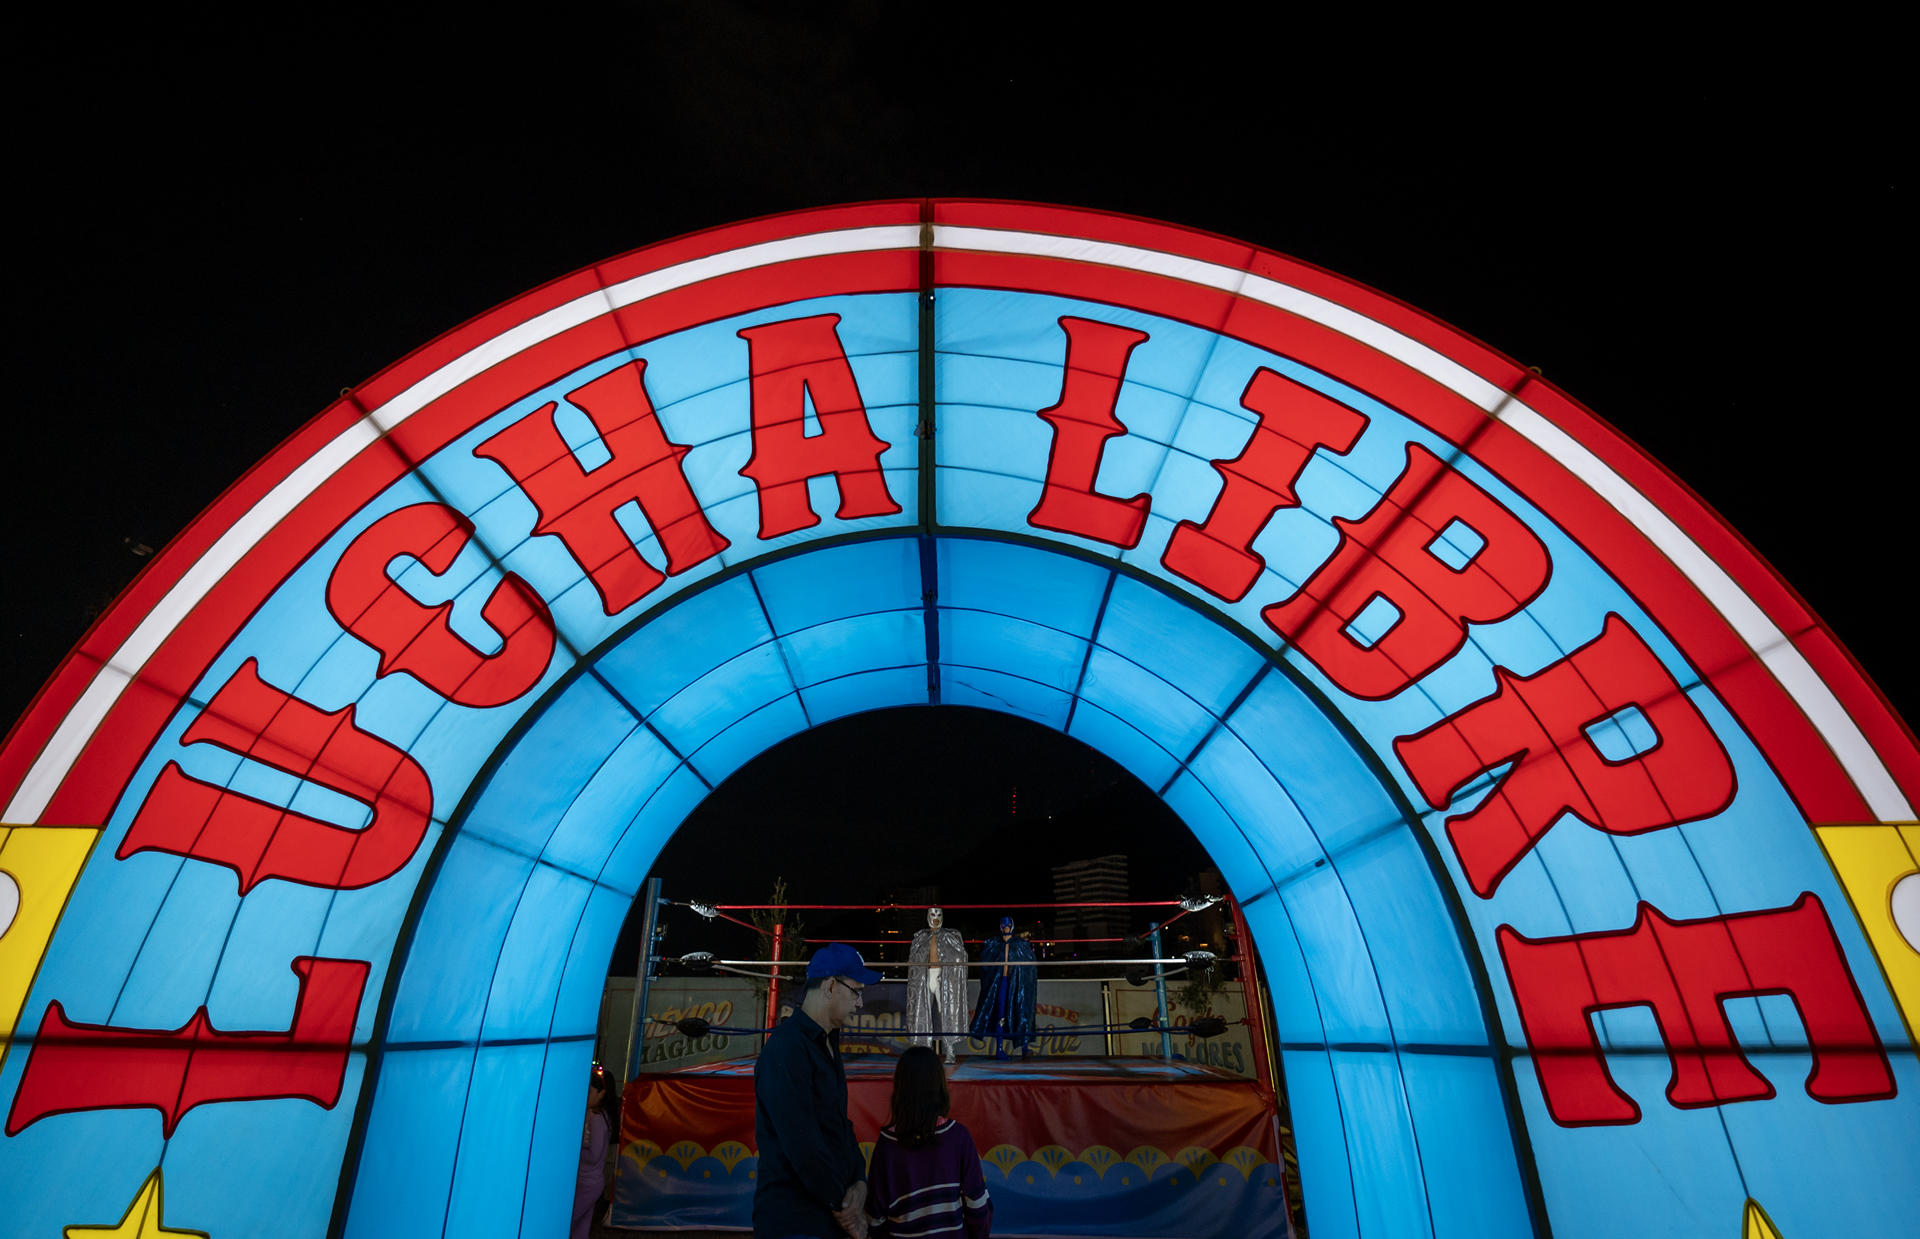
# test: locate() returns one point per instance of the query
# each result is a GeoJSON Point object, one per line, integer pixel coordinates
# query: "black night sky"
{"type": "Point", "coordinates": [217, 231]}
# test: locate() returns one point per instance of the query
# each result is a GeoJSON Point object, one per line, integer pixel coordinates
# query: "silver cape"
{"type": "Point", "coordinates": [952, 995]}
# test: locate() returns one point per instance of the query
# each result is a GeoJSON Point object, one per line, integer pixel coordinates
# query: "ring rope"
{"type": "Point", "coordinates": [696, 1027]}
{"type": "Point", "coordinates": [700, 959]}
{"type": "Point", "coordinates": [921, 907]}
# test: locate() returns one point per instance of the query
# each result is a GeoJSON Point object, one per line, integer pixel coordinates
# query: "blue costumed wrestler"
{"type": "Point", "coordinates": [1007, 990]}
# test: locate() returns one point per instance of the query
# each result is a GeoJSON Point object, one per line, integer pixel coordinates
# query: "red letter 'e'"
{"type": "Point", "coordinates": [1685, 970]}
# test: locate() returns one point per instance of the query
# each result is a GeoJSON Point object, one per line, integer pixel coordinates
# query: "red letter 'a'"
{"type": "Point", "coordinates": [578, 505]}
{"type": "Point", "coordinates": [791, 362]}
{"type": "Point", "coordinates": [257, 840]}
{"type": "Point", "coordinates": [416, 638]}
{"type": "Point", "coordinates": [95, 1067]}
{"type": "Point", "coordinates": [1546, 724]}
{"type": "Point", "coordinates": [1396, 556]}
{"type": "Point", "coordinates": [1684, 970]}
{"type": "Point", "coordinates": [1218, 556]}
{"type": "Point", "coordinates": [1083, 420]}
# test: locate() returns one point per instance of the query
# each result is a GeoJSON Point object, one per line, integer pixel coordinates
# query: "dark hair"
{"type": "Point", "coordinates": [602, 1079]}
{"type": "Point", "coordinates": [920, 1096]}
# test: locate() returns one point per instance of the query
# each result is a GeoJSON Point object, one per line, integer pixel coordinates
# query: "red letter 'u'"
{"type": "Point", "coordinates": [257, 840]}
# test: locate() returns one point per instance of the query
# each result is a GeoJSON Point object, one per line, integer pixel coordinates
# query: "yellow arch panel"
{"type": "Point", "coordinates": [1870, 859]}
{"type": "Point", "coordinates": [40, 864]}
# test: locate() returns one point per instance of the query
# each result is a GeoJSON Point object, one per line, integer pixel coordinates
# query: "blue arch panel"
{"type": "Point", "coordinates": [274, 801]}
{"type": "Point", "coordinates": [1313, 863]}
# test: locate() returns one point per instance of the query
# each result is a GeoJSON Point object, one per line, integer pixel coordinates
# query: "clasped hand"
{"type": "Point", "coordinates": [852, 1213]}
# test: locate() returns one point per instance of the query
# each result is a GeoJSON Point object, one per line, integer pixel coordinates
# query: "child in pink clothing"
{"type": "Point", "coordinates": [592, 1179]}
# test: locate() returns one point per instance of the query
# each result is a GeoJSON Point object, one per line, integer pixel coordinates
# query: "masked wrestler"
{"type": "Point", "coordinates": [942, 983]}
{"type": "Point", "coordinates": [1007, 992]}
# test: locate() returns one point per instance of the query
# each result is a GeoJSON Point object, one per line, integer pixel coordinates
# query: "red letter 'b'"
{"type": "Point", "coordinates": [1394, 555]}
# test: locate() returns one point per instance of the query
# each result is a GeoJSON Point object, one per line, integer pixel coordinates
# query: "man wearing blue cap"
{"type": "Point", "coordinates": [812, 1180]}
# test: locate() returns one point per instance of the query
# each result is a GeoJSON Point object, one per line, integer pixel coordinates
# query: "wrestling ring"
{"type": "Point", "coordinates": [1123, 1111]}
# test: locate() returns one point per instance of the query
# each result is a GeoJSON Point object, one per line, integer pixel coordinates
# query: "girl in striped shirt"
{"type": "Point", "coordinates": [924, 1179]}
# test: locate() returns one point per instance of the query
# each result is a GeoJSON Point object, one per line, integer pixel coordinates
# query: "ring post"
{"type": "Point", "coordinates": [773, 986]}
{"type": "Point", "coordinates": [649, 928]}
{"type": "Point", "coordinates": [1160, 992]}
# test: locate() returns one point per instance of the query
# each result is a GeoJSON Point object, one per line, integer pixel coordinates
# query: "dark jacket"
{"type": "Point", "coordinates": [809, 1156]}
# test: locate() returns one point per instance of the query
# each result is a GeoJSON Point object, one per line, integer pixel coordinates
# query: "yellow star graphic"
{"type": "Point", "coordinates": [141, 1222]}
{"type": "Point", "coordinates": [1755, 1224]}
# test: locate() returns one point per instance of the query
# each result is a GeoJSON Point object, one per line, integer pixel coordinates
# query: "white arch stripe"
{"type": "Point", "coordinates": [57, 758]}
{"type": "Point", "coordinates": [1762, 635]}
{"type": "Point", "coordinates": [1789, 666]}
{"type": "Point", "coordinates": [54, 761]}
{"type": "Point", "coordinates": [1375, 335]}
{"type": "Point", "coordinates": [589, 306]}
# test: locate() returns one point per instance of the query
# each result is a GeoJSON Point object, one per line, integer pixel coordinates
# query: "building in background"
{"type": "Point", "coordinates": [899, 924]}
{"type": "Point", "coordinates": [1101, 879]}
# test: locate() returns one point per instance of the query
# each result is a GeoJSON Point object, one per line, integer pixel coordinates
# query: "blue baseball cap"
{"type": "Point", "coordinates": [837, 959]}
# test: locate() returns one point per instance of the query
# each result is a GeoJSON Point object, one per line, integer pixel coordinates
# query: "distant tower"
{"type": "Point", "coordinates": [899, 926]}
{"type": "Point", "coordinates": [1102, 879]}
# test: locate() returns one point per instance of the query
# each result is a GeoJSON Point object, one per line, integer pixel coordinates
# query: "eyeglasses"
{"type": "Point", "coordinates": [851, 988]}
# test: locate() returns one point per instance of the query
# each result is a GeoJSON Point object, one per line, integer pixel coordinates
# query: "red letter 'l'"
{"type": "Point", "coordinates": [96, 1067]}
{"type": "Point", "coordinates": [1083, 420]}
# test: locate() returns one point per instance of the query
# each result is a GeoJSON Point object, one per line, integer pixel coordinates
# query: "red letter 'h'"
{"type": "Point", "coordinates": [577, 505]}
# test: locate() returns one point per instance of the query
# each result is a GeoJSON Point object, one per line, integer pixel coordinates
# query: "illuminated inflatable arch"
{"type": "Point", "coordinates": [1579, 855]}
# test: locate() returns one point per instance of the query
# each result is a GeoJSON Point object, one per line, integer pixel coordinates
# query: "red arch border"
{"type": "Point", "coordinates": [1810, 770]}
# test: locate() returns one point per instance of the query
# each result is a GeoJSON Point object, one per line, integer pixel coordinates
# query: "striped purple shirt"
{"type": "Point", "coordinates": [935, 1191]}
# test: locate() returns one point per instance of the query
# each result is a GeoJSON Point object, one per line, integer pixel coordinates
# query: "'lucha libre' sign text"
{"type": "Point", "coordinates": [1376, 504]}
